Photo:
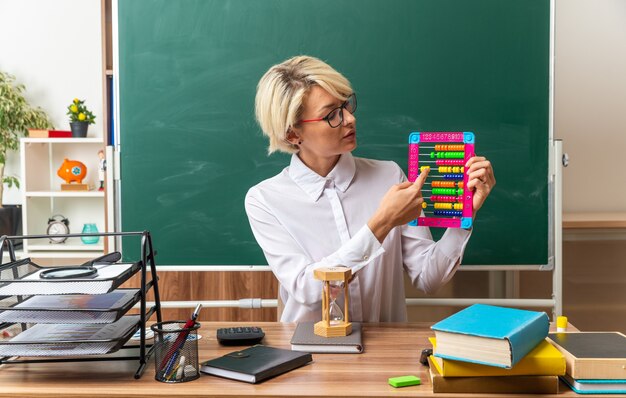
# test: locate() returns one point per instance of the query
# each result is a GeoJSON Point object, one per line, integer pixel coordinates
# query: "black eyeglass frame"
{"type": "Point", "coordinates": [339, 109]}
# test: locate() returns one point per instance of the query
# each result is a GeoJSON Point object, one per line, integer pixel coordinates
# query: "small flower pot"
{"type": "Point", "coordinates": [79, 129]}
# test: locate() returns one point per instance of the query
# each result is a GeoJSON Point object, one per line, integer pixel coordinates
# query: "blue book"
{"type": "Point", "coordinates": [490, 335]}
{"type": "Point", "coordinates": [595, 386]}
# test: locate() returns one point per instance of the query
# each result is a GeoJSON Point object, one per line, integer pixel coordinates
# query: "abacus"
{"type": "Point", "coordinates": [446, 203]}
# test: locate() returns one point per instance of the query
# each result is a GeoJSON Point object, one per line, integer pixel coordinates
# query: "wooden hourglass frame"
{"type": "Point", "coordinates": [324, 327]}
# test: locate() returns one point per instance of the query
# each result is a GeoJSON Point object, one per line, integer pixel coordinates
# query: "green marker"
{"type": "Point", "coordinates": [404, 381]}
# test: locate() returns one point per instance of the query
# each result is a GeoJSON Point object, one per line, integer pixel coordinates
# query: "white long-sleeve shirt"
{"type": "Point", "coordinates": [303, 221]}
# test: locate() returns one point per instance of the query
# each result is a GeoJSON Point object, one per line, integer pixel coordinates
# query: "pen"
{"type": "Point", "coordinates": [169, 365]}
{"type": "Point", "coordinates": [180, 341]}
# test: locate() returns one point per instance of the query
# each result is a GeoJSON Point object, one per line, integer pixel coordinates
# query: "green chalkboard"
{"type": "Point", "coordinates": [190, 147]}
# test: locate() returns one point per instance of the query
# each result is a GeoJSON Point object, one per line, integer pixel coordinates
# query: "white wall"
{"type": "Point", "coordinates": [53, 47]}
{"type": "Point", "coordinates": [590, 102]}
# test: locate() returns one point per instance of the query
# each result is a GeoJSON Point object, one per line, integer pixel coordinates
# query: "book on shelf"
{"type": "Point", "coordinates": [592, 355]}
{"type": "Point", "coordinates": [595, 386]}
{"type": "Point", "coordinates": [255, 364]}
{"type": "Point", "coordinates": [304, 339]}
{"type": "Point", "coordinates": [490, 335]}
{"type": "Point", "coordinates": [492, 384]}
{"type": "Point", "coordinates": [39, 133]}
{"type": "Point", "coordinates": [544, 360]}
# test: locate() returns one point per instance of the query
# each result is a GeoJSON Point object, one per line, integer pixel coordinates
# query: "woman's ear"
{"type": "Point", "coordinates": [293, 137]}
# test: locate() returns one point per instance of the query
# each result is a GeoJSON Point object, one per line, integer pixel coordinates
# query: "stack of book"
{"type": "Point", "coordinates": [490, 349]}
{"type": "Point", "coordinates": [596, 361]}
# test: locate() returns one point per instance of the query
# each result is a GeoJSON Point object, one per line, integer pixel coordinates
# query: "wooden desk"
{"type": "Point", "coordinates": [390, 350]}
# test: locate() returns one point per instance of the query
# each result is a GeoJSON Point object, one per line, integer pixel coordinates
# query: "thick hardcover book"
{"type": "Point", "coordinates": [592, 355]}
{"type": "Point", "coordinates": [492, 384]}
{"type": "Point", "coordinates": [255, 364]}
{"type": "Point", "coordinates": [304, 339]}
{"type": "Point", "coordinates": [595, 386]}
{"type": "Point", "coordinates": [543, 360]}
{"type": "Point", "coordinates": [490, 335]}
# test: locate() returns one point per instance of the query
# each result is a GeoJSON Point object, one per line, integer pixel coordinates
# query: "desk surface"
{"type": "Point", "coordinates": [390, 350]}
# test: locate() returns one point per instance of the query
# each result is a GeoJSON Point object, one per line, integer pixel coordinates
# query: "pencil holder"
{"type": "Point", "coordinates": [176, 351]}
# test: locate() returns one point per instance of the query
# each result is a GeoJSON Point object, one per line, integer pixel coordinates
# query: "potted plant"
{"type": "Point", "coordinates": [80, 118]}
{"type": "Point", "coordinates": [16, 117]}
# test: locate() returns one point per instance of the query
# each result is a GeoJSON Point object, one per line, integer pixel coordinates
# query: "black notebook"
{"type": "Point", "coordinates": [255, 364]}
{"type": "Point", "coordinates": [304, 339]}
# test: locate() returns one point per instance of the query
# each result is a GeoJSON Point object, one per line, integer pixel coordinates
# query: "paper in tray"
{"type": "Point", "coordinates": [70, 339]}
{"type": "Point", "coordinates": [69, 308]}
{"type": "Point", "coordinates": [29, 282]}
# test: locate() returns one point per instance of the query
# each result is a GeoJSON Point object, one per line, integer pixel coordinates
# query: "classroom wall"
{"type": "Point", "coordinates": [590, 102]}
{"type": "Point", "coordinates": [590, 115]}
{"type": "Point", "coordinates": [54, 48]}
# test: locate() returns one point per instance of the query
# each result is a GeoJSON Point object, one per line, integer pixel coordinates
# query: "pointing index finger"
{"type": "Point", "coordinates": [419, 181]}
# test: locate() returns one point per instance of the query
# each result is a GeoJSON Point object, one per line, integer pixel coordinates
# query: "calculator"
{"type": "Point", "coordinates": [247, 335]}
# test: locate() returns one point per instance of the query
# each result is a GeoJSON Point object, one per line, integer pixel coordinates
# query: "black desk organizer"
{"type": "Point", "coordinates": [14, 289]}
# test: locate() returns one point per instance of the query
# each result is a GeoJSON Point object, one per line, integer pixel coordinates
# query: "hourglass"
{"type": "Point", "coordinates": [334, 322]}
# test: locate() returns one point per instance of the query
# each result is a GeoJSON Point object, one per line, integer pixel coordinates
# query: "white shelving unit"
{"type": "Point", "coordinates": [43, 198]}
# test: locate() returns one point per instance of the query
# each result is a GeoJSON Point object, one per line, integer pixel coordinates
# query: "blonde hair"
{"type": "Point", "coordinates": [281, 91]}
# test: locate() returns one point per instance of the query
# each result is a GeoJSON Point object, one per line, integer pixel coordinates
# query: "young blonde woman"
{"type": "Point", "coordinates": [328, 208]}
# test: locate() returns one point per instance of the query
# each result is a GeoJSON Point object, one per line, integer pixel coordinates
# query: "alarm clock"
{"type": "Point", "coordinates": [58, 225]}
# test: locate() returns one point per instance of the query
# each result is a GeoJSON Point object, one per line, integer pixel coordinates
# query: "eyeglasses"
{"type": "Point", "coordinates": [335, 117]}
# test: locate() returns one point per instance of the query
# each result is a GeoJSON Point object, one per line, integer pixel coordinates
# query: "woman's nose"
{"type": "Point", "coordinates": [348, 118]}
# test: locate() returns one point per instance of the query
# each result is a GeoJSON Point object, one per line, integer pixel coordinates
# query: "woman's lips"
{"type": "Point", "coordinates": [351, 134]}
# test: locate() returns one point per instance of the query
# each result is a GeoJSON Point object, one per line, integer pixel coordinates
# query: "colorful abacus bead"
{"type": "Point", "coordinates": [449, 147]}
{"type": "Point", "coordinates": [443, 184]}
{"type": "Point", "coordinates": [453, 213]}
{"type": "Point", "coordinates": [447, 184]}
{"type": "Point", "coordinates": [456, 177]}
{"type": "Point", "coordinates": [447, 155]}
{"type": "Point", "coordinates": [446, 198]}
{"type": "Point", "coordinates": [450, 162]}
{"type": "Point", "coordinates": [451, 169]}
{"type": "Point", "coordinates": [448, 206]}
{"type": "Point", "coordinates": [447, 191]}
